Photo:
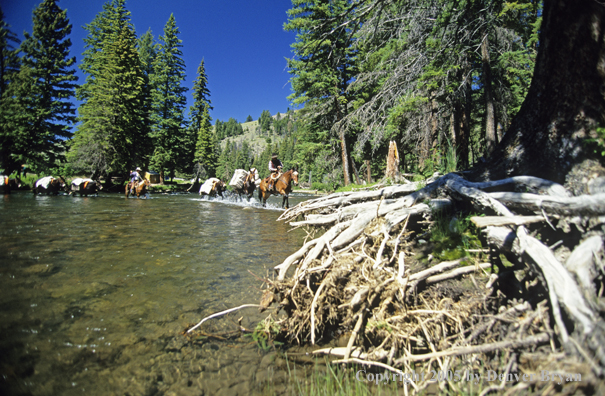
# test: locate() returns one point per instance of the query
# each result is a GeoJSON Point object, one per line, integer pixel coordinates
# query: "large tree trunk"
{"type": "Point", "coordinates": [565, 103]}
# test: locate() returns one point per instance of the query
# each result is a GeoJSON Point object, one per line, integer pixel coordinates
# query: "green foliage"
{"type": "Point", "coordinates": [282, 124]}
{"type": "Point", "coordinates": [39, 113]}
{"type": "Point", "coordinates": [453, 236]}
{"type": "Point", "coordinates": [599, 141]}
{"type": "Point", "coordinates": [112, 137]}
{"type": "Point", "coordinates": [12, 147]}
{"type": "Point", "coordinates": [173, 150]}
{"type": "Point", "coordinates": [265, 121]}
{"type": "Point", "coordinates": [442, 160]}
{"type": "Point", "coordinates": [325, 378]}
{"type": "Point", "coordinates": [201, 124]}
{"type": "Point", "coordinates": [265, 334]}
{"type": "Point", "coordinates": [325, 61]}
{"type": "Point", "coordinates": [227, 129]}
{"type": "Point", "coordinates": [353, 187]}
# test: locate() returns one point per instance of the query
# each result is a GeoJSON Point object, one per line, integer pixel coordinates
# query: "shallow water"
{"type": "Point", "coordinates": [95, 291]}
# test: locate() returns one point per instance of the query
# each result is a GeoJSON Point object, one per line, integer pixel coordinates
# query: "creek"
{"type": "Point", "coordinates": [94, 293]}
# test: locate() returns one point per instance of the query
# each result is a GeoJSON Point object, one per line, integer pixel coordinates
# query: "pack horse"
{"type": "Point", "coordinates": [212, 187]}
{"type": "Point", "coordinates": [244, 182]}
{"type": "Point", "coordinates": [85, 187]}
{"type": "Point", "coordinates": [49, 185]}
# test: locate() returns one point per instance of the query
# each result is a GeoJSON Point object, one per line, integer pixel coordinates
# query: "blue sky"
{"type": "Point", "coordinates": [242, 42]}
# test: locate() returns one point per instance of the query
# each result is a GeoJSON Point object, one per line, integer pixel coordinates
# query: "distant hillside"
{"type": "Point", "coordinates": [256, 142]}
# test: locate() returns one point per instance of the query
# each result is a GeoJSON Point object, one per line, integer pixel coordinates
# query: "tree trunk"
{"type": "Point", "coordinates": [490, 117]}
{"type": "Point", "coordinates": [357, 180]}
{"type": "Point", "coordinates": [565, 103]}
{"type": "Point", "coordinates": [343, 145]}
{"type": "Point", "coordinates": [345, 157]}
{"type": "Point", "coordinates": [392, 171]}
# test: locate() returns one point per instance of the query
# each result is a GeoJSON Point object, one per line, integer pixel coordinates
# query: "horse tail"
{"type": "Point", "coordinates": [260, 193]}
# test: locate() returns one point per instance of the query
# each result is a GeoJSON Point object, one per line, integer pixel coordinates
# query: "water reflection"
{"type": "Point", "coordinates": [94, 291]}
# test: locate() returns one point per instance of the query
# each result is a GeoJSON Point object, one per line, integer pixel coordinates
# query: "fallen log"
{"type": "Point", "coordinates": [584, 205]}
{"type": "Point", "coordinates": [582, 263]}
{"type": "Point", "coordinates": [485, 221]}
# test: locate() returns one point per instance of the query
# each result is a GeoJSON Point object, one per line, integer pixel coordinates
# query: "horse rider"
{"type": "Point", "coordinates": [135, 177]}
{"type": "Point", "coordinates": [275, 167]}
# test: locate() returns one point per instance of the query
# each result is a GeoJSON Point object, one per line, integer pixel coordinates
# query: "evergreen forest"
{"type": "Point", "coordinates": [441, 78]}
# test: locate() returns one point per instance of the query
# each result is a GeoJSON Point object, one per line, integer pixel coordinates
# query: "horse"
{"type": "Point", "coordinates": [281, 186]}
{"type": "Point", "coordinates": [213, 187]}
{"type": "Point", "coordinates": [249, 184]}
{"type": "Point", "coordinates": [85, 187]}
{"type": "Point", "coordinates": [140, 188]}
{"type": "Point", "coordinates": [49, 185]}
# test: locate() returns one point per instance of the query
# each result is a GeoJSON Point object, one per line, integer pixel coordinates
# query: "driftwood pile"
{"type": "Point", "coordinates": [356, 283]}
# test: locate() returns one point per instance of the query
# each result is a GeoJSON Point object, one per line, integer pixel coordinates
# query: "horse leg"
{"type": "Point", "coordinates": [285, 201]}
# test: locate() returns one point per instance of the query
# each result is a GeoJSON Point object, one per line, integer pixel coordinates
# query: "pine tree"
{"type": "Point", "coordinates": [265, 121]}
{"type": "Point", "coordinates": [168, 104]}
{"type": "Point", "coordinates": [112, 136]}
{"type": "Point", "coordinates": [225, 168]}
{"type": "Point", "coordinates": [46, 84]}
{"type": "Point", "coordinates": [201, 123]}
{"type": "Point", "coordinates": [206, 145]}
{"type": "Point", "coordinates": [147, 48]}
{"type": "Point", "coordinates": [324, 65]}
{"type": "Point", "coordinates": [201, 98]}
{"type": "Point", "coordinates": [9, 67]}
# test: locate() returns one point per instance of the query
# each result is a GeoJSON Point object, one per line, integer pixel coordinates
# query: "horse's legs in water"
{"type": "Point", "coordinates": [285, 201]}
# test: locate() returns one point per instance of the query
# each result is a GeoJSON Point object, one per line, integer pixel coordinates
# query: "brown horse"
{"type": "Point", "coordinates": [281, 186]}
{"type": "Point", "coordinates": [140, 188]}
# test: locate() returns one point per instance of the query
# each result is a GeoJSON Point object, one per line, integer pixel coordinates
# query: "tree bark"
{"type": "Point", "coordinates": [565, 103]}
{"type": "Point", "coordinates": [490, 116]}
{"type": "Point", "coordinates": [345, 157]}
{"type": "Point", "coordinates": [392, 170]}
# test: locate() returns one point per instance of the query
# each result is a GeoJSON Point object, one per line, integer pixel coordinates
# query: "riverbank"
{"type": "Point", "coordinates": [411, 279]}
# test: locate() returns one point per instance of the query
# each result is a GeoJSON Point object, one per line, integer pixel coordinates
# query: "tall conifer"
{"type": "Point", "coordinates": [111, 138]}
{"type": "Point", "coordinates": [168, 103]}
{"type": "Point", "coordinates": [324, 65]}
{"type": "Point", "coordinates": [201, 123]}
{"type": "Point", "coordinates": [46, 84]}
{"type": "Point", "coordinates": [9, 67]}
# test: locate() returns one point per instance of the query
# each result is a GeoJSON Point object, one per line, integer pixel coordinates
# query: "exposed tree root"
{"type": "Point", "coordinates": [360, 285]}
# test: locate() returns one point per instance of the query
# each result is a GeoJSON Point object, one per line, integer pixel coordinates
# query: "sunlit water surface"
{"type": "Point", "coordinates": [95, 291]}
